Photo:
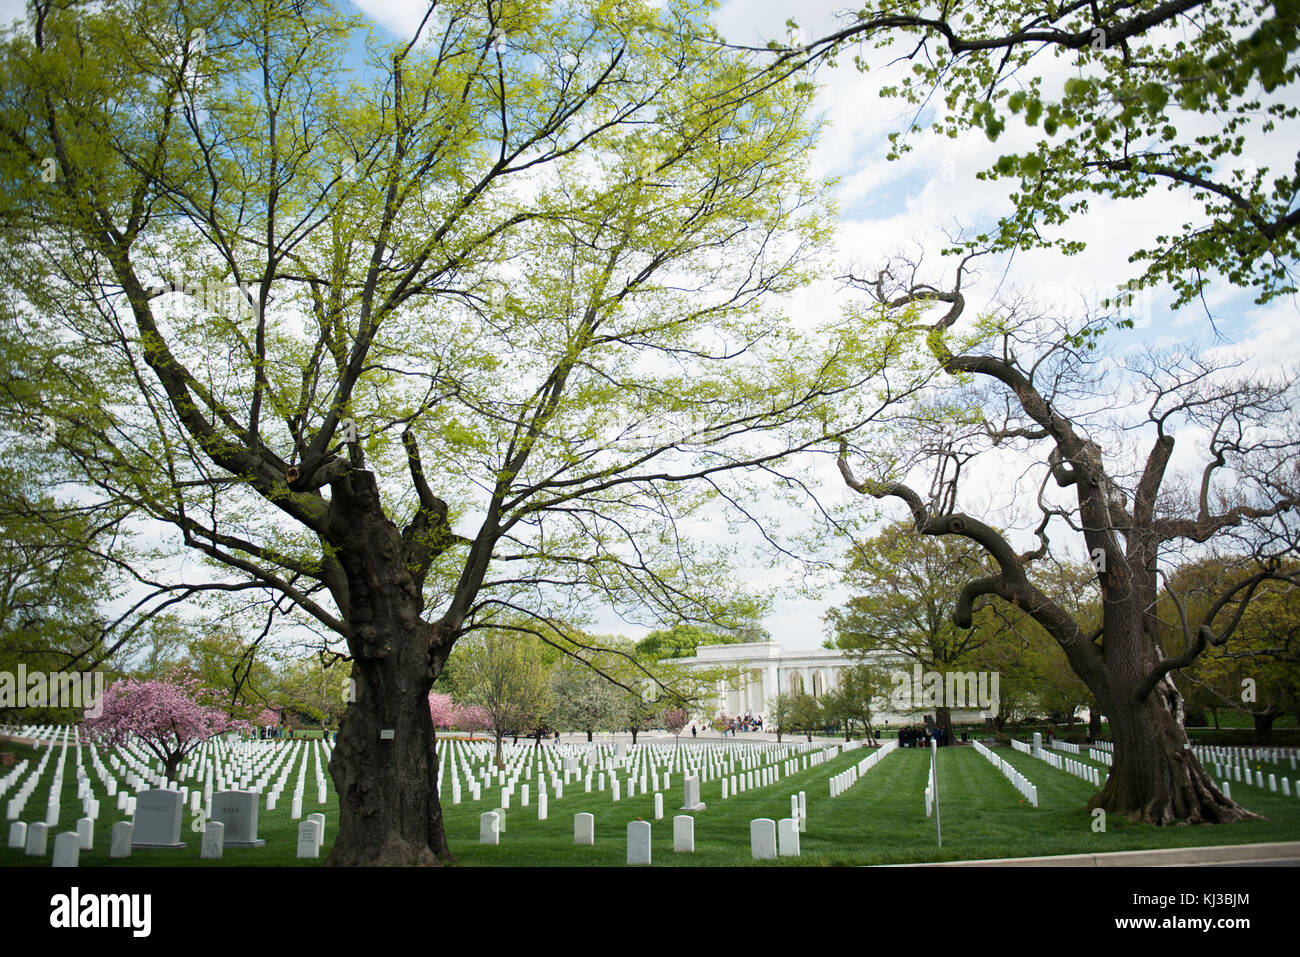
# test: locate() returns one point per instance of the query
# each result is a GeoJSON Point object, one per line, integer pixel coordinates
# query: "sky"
{"type": "Point", "coordinates": [910, 204]}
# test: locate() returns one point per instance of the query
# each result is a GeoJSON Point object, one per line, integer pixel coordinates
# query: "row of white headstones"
{"type": "Point", "coordinates": [1018, 780]}
{"type": "Point", "coordinates": [768, 838]}
{"type": "Point", "coordinates": [221, 766]}
{"type": "Point", "coordinates": [738, 768]}
{"type": "Point", "coordinates": [1078, 768]}
{"type": "Point", "coordinates": [1233, 764]}
{"type": "Point", "coordinates": [468, 768]}
{"type": "Point", "coordinates": [1230, 764]}
{"type": "Point", "coordinates": [226, 764]}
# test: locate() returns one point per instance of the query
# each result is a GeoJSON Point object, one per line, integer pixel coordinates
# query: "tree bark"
{"type": "Point", "coordinates": [385, 767]}
{"type": "Point", "coordinates": [943, 722]}
{"type": "Point", "coordinates": [1155, 778]}
{"type": "Point", "coordinates": [1264, 723]}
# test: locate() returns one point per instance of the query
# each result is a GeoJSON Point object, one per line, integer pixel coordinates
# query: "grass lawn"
{"type": "Point", "coordinates": [880, 820]}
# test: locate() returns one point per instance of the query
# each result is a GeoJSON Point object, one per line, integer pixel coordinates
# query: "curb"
{"type": "Point", "coordinates": [1164, 857]}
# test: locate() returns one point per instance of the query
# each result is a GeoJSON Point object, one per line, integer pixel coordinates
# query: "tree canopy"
{"type": "Point", "coordinates": [1130, 98]}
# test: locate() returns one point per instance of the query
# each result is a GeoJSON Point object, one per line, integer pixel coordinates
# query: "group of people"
{"type": "Point", "coordinates": [919, 736]}
{"type": "Point", "coordinates": [747, 723]}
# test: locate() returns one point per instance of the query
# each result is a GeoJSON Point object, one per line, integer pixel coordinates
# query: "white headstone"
{"type": "Point", "coordinates": [684, 834]}
{"type": "Point", "coordinates": [762, 839]}
{"type": "Point", "coordinates": [38, 833]}
{"type": "Point", "coordinates": [489, 828]}
{"type": "Point", "coordinates": [320, 829]}
{"type": "Point", "coordinates": [693, 802]}
{"type": "Point", "coordinates": [157, 819]}
{"type": "Point", "coordinates": [659, 807]}
{"type": "Point", "coordinates": [584, 829]}
{"type": "Point", "coordinates": [67, 849]}
{"type": "Point", "coordinates": [213, 841]}
{"type": "Point", "coordinates": [308, 839]}
{"type": "Point", "coordinates": [541, 806]}
{"type": "Point", "coordinates": [238, 811]}
{"type": "Point", "coordinates": [121, 843]}
{"type": "Point", "coordinates": [638, 842]}
{"type": "Point", "coordinates": [788, 836]}
{"type": "Point", "coordinates": [86, 832]}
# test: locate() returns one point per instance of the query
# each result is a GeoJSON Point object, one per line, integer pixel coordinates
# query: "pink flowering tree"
{"type": "Point", "coordinates": [472, 718]}
{"type": "Point", "coordinates": [442, 709]}
{"type": "Point", "coordinates": [169, 717]}
{"type": "Point", "coordinates": [675, 719]}
{"type": "Point", "coordinates": [268, 718]}
{"type": "Point", "coordinates": [446, 713]}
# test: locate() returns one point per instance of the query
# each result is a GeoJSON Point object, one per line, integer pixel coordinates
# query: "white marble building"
{"type": "Point", "coordinates": [770, 669]}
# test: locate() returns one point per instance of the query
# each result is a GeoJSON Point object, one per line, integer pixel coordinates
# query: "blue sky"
{"type": "Point", "coordinates": [910, 203]}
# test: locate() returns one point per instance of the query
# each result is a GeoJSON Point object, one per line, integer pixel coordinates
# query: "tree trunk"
{"type": "Point", "coordinates": [385, 768]}
{"type": "Point", "coordinates": [1094, 722]}
{"type": "Point", "coordinates": [1155, 778]}
{"type": "Point", "coordinates": [589, 736]}
{"type": "Point", "coordinates": [943, 722]}
{"type": "Point", "coordinates": [634, 735]}
{"type": "Point", "coordinates": [1214, 713]}
{"type": "Point", "coordinates": [501, 761]}
{"type": "Point", "coordinates": [1264, 723]}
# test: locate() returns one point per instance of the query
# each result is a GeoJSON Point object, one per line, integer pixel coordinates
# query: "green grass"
{"type": "Point", "coordinates": [880, 820]}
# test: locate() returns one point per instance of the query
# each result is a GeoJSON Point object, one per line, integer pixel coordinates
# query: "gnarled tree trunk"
{"type": "Point", "coordinates": [1155, 777]}
{"type": "Point", "coordinates": [1264, 722]}
{"type": "Point", "coordinates": [385, 768]}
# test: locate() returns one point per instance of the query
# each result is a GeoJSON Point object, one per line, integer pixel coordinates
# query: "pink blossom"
{"type": "Point", "coordinates": [166, 715]}
{"type": "Point", "coordinates": [446, 713]}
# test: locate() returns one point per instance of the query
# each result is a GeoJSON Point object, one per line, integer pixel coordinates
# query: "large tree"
{"type": "Point", "coordinates": [1161, 95]}
{"type": "Point", "coordinates": [1120, 500]}
{"type": "Point", "coordinates": [861, 691]}
{"type": "Point", "coordinates": [503, 676]}
{"type": "Point", "coordinates": [583, 700]}
{"type": "Point", "coordinates": [1258, 673]}
{"type": "Point", "coordinates": [456, 340]}
{"type": "Point", "coordinates": [905, 586]}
